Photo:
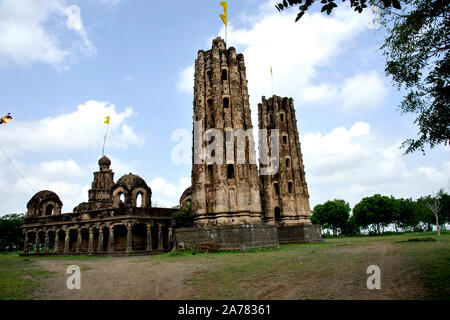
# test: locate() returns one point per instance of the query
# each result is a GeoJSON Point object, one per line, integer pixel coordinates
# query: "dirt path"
{"type": "Point", "coordinates": [336, 272]}
{"type": "Point", "coordinates": [348, 281]}
{"type": "Point", "coordinates": [124, 278]}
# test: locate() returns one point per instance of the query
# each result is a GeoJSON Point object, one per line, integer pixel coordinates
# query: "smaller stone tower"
{"type": "Point", "coordinates": [284, 194]}
{"type": "Point", "coordinates": [103, 181]}
{"type": "Point", "coordinates": [99, 194]}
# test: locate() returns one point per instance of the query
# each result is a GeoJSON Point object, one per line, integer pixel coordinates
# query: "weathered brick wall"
{"type": "Point", "coordinates": [232, 237]}
{"type": "Point", "coordinates": [299, 234]}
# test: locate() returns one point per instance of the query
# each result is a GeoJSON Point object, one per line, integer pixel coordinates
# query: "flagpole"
{"type": "Point", "coordinates": [271, 78]}
{"type": "Point", "coordinates": [104, 141]}
{"type": "Point", "coordinates": [226, 31]}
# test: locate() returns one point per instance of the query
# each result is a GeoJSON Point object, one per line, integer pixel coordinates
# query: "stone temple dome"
{"type": "Point", "coordinates": [104, 161]}
{"type": "Point", "coordinates": [131, 181]}
{"type": "Point", "coordinates": [131, 187]}
{"type": "Point", "coordinates": [44, 203]}
{"type": "Point", "coordinates": [43, 196]}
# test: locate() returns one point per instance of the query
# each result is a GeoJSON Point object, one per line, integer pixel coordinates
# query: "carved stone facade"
{"type": "Point", "coordinates": [232, 192]}
{"type": "Point", "coordinates": [117, 219]}
{"type": "Point", "coordinates": [284, 195]}
{"type": "Point", "coordinates": [225, 191]}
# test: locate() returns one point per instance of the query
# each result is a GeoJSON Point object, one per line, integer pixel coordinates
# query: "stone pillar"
{"type": "Point", "coordinates": [100, 240]}
{"type": "Point", "coordinates": [160, 237]}
{"type": "Point", "coordinates": [25, 243]}
{"type": "Point", "coordinates": [91, 240]}
{"type": "Point", "coordinates": [67, 241]}
{"type": "Point", "coordinates": [149, 236]}
{"type": "Point", "coordinates": [56, 241]}
{"type": "Point", "coordinates": [111, 239]}
{"type": "Point", "coordinates": [129, 237]}
{"type": "Point", "coordinates": [36, 244]}
{"type": "Point", "coordinates": [46, 242]}
{"type": "Point", "coordinates": [79, 240]}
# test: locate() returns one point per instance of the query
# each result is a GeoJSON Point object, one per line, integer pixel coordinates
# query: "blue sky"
{"type": "Point", "coordinates": [65, 65]}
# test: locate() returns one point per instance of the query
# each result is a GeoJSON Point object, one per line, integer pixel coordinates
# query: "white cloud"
{"type": "Point", "coordinates": [32, 32]}
{"type": "Point", "coordinates": [361, 91]}
{"type": "Point", "coordinates": [81, 129]}
{"type": "Point", "coordinates": [353, 163]}
{"type": "Point", "coordinates": [185, 81]}
{"type": "Point", "coordinates": [167, 194]}
{"type": "Point", "coordinates": [63, 177]}
{"type": "Point", "coordinates": [296, 51]}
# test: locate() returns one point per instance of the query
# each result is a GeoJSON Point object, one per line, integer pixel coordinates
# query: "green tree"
{"type": "Point", "coordinates": [11, 237]}
{"type": "Point", "coordinates": [407, 218]}
{"type": "Point", "coordinates": [417, 57]}
{"type": "Point", "coordinates": [183, 217]}
{"type": "Point", "coordinates": [332, 214]}
{"type": "Point", "coordinates": [376, 212]}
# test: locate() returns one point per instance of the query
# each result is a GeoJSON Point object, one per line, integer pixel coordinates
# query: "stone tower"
{"type": "Point", "coordinates": [99, 194]}
{"type": "Point", "coordinates": [103, 181]}
{"type": "Point", "coordinates": [225, 190]}
{"type": "Point", "coordinates": [285, 198]}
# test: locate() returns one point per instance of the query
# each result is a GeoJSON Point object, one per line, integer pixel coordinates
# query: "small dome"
{"type": "Point", "coordinates": [186, 196]}
{"type": "Point", "coordinates": [186, 193]}
{"type": "Point", "coordinates": [132, 181]}
{"type": "Point", "coordinates": [104, 161]}
{"type": "Point", "coordinates": [42, 196]}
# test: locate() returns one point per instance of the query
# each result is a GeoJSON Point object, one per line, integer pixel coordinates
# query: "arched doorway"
{"type": "Point", "coordinates": [277, 214]}
{"type": "Point", "coordinates": [120, 237]}
{"type": "Point", "coordinates": [139, 237]}
{"type": "Point", "coordinates": [49, 210]}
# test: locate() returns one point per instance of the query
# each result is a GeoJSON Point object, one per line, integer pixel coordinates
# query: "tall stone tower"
{"type": "Point", "coordinates": [285, 198]}
{"type": "Point", "coordinates": [224, 179]}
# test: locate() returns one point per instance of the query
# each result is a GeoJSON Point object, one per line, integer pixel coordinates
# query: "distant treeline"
{"type": "Point", "coordinates": [377, 213]}
{"type": "Point", "coordinates": [11, 237]}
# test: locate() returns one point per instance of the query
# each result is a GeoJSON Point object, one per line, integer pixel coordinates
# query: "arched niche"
{"type": "Point", "coordinates": [145, 198]}
{"type": "Point", "coordinates": [116, 197]}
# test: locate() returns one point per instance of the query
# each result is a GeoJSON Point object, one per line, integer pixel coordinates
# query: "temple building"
{"type": "Point", "coordinates": [118, 218]}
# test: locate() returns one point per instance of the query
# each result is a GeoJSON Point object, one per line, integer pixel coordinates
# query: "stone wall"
{"type": "Point", "coordinates": [299, 234]}
{"type": "Point", "coordinates": [232, 237]}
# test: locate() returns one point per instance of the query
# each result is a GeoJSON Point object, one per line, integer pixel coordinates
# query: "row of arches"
{"type": "Point", "coordinates": [284, 103]}
{"type": "Point", "coordinates": [115, 238]}
{"type": "Point", "coordinates": [270, 118]}
{"type": "Point", "coordinates": [138, 198]}
{"type": "Point", "coordinates": [223, 76]}
{"type": "Point", "coordinates": [276, 188]}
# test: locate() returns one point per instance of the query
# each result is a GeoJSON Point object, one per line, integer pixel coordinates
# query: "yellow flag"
{"type": "Point", "coordinates": [107, 119]}
{"type": "Point", "coordinates": [271, 72]}
{"type": "Point", "coordinates": [224, 16]}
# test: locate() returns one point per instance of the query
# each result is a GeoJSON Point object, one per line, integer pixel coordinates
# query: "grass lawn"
{"type": "Point", "coordinates": [413, 266]}
{"type": "Point", "coordinates": [323, 270]}
{"type": "Point", "coordinates": [19, 277]}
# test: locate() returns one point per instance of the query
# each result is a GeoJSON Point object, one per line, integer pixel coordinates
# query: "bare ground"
{"type": "Point", "coordinates": [144, 278]}
{"type": "Point", "coordinates": [347, 281]}
{"type": "Point", "coordinates": [119, 278]}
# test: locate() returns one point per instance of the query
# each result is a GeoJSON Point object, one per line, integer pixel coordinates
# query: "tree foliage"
{"type": "Point", "coordinates": [183, 217]}
{"type": "Point", "coordinates": [329, 5]}
{"type": "Point", "coordinates": [332, 214]}
{"type": "Point", "coordinates": [377, 212]}
{"type": "Point", "coordinates": [417, 58]}
{"type": "Point", "coordinates": [11, 237]}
